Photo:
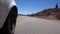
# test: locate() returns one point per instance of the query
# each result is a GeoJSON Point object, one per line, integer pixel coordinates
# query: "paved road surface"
{"type": "Point", "coordinates": [30, 25]}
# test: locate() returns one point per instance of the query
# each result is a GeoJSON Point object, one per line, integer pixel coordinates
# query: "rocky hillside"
{"type": "Point", "coordinates": [53, 13]}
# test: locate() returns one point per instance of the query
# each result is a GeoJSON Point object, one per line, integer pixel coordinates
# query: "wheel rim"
{"type": "Point", "coordinates": [12, 24]}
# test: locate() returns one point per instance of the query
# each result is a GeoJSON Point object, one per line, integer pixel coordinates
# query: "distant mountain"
{"type": "Point", "coordinates": [21, 15]}
{"type": "Point", "coordinates": [53, 13]}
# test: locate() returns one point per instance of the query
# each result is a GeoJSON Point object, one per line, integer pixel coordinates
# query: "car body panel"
{"type": "Point", "coordinates": [5, 7]}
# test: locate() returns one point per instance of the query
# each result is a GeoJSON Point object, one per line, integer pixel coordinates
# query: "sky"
{"type": "Point", "coordinates": [34, 6]}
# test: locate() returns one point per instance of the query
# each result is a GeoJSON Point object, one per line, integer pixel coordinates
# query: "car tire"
{"type": "Point", "coordinates": [10, 23]}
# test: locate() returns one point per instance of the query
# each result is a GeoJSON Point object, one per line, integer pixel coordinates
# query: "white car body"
{"type": "Point", "coordinates": [5, 7]}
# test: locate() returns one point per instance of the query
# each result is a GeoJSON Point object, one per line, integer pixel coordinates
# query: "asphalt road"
{"type": "Point", "coordinates": [30, 25]}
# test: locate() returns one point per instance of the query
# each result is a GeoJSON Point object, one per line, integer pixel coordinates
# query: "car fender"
{"type": "Point", "coordinates": [5, 7]}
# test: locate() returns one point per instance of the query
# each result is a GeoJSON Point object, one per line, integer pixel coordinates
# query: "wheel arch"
{"type": "Point", "coordinates": [15, 9]}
